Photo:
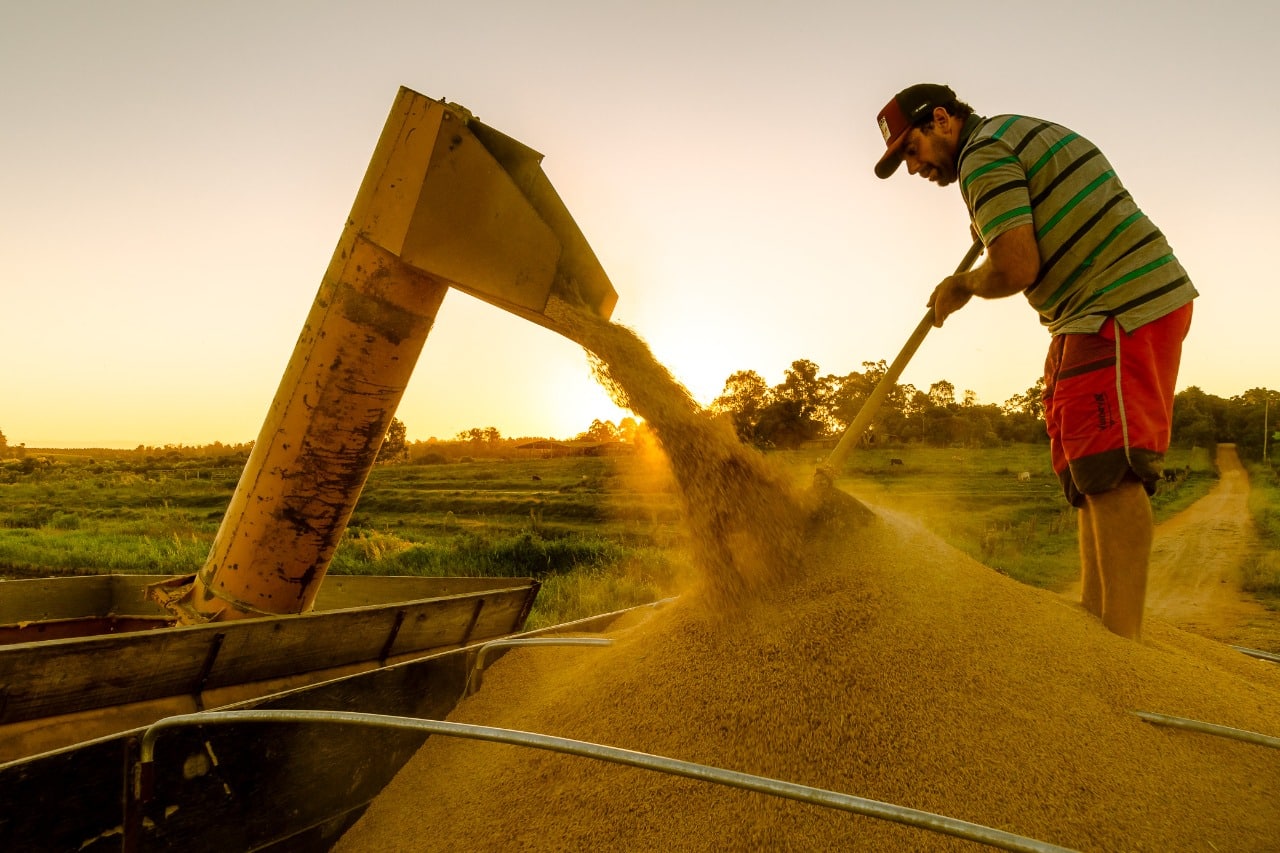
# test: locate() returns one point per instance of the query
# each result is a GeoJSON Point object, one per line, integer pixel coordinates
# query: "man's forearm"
{"type": "Point", "coordinates": [989, 281]}
{"type": "Point", "coordinates": [1013, 265]}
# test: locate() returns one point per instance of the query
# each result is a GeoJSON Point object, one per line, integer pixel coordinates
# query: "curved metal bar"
{"type": "Point", "coordinates": [1209, 729]}
{"type": "Point", "coordinates": [760, 784]}
{"type": "Point", "coordinates": [477, 671]}
{"type": "Point", "coordinates": [1258, 653]}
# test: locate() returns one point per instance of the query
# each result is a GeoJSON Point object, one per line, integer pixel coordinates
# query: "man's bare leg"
{"type": "Point", "coordinates": [1123, 529]}
{"type": "Point", "coordinates": [1090, 572]}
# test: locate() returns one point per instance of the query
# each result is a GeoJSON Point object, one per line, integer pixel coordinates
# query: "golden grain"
{"type": "Point", "coordinates": [873, 660]}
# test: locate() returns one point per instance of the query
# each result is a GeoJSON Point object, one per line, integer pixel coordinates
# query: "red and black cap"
{"type": "Point", "coordinates": [911, 107]}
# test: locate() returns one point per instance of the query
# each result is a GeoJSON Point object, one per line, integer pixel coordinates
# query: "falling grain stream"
{"type": "Point", "coordinates": [871, 659]}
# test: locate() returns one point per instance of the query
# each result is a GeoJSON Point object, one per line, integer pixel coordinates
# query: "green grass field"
{"type": "Point", "coordinates": [1002, 506]}
{"type": "Point", "coordinates": [1262, 571]}
{"type": "Point", "coordinates": [600, 533]}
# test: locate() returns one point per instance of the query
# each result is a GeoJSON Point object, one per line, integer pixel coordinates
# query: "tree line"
{"type": "Point", "coordinates": [489, 441]}
{"type": "Point", "coordinates": [808, 406]}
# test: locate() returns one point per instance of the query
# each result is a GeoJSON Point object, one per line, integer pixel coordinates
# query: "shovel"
{"type": "Point", "coordinates": [824, 477]}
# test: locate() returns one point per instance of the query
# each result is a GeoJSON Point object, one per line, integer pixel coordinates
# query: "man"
{"type": "Point", "coordinates": [1059, 227]}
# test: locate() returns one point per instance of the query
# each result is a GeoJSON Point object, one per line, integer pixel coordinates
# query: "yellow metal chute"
{"type": "Point", "coordinates": [446, 202]}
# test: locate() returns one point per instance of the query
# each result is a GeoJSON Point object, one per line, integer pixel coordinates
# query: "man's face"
{"type": "Point", "coordinates": [930, 155]}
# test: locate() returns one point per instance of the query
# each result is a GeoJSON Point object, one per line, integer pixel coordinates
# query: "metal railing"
{"type": "Point", "coordinates": [476, 674]}
{"type": "Point", "coordinates": [1258, 653]}
{"type": "Point", "coordinates": [745, 781]}
{"type": "Point", "coordinates": [1209, 729]}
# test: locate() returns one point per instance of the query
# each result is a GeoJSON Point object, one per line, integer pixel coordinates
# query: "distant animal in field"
{"type": "Point", "coordinates": [1171, 475]}
{"type": "Point", "coordinates": [895, 462]}
{"type": "Point", "coordinates": [536, 477]}
{"type": "Point", "coordinates": [1024, 477]}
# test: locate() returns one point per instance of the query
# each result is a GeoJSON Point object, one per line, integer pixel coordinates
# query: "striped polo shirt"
{"type": "Point", "coordinates": [1100, 256]}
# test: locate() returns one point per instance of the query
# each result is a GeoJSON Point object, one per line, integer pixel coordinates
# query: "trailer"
{"type": "Point", "coordinates": [86, 663]}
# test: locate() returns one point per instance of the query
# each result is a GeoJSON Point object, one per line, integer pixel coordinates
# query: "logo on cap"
{"type": "Point", "coordinates": [884, 127]}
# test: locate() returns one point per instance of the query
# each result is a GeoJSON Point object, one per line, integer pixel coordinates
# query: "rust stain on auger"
{"type": "Point", "coordinates": [446, 202]}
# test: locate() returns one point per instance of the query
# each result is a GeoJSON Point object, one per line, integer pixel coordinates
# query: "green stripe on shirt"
{"type": "Point", "coordinates": [1005, 217]}
{"type": "Point", "coordinates": [1124, 279]}
{"type": "Point", "coordinates": [1075, 199]}
{"type": "Point", "coordinates": [1048, 155]}
{"type": "Point", "coordinates": [994, 164]}
{"type": "Point", "coordinates": [999, 133]}
{"type": "Point", "coordinates": [1088, 262]}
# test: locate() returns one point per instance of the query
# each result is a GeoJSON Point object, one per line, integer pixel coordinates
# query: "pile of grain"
{"type": "Point", "coordinates": [877, 662]}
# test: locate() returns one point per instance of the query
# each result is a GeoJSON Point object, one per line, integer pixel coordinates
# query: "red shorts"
{"type": "Point", "coordinates": [1108, 403]}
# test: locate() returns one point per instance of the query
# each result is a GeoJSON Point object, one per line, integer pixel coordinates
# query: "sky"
{"type": "Point", "coordinates": [175, 175]}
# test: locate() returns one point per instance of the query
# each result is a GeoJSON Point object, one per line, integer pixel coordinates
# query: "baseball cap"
{"type": "Point", "coordinates": [909, 108]}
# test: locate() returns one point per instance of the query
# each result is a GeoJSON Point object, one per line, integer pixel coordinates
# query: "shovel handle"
{"type": "Point", "coordinates": [872, 404]}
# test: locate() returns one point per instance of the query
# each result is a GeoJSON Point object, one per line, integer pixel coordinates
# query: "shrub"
{"type": "Point", "coordinates": [524, 554]}
{"type": "Point", "coordinates": [432, 458]}
{"type": "Point", "coordinates": [64, 521]}
{"type": "Point", "coordinates": [1260, 575]}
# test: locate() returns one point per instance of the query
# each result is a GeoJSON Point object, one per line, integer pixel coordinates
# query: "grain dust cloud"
{"type": "Point", "coordinates": [870, 659]}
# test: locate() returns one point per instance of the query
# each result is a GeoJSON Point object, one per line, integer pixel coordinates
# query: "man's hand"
{"type": "Point", "coordinates": [949, 297]}
{"type": "Point", "coordinates": [1013, 265]}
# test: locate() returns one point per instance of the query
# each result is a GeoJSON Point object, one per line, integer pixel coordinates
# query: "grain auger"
{"type": "Point", "coordinates": [446, 202]}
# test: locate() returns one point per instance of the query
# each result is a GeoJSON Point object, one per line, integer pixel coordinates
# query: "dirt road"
{"type": "Point", "coordinates": [1195, 566]}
